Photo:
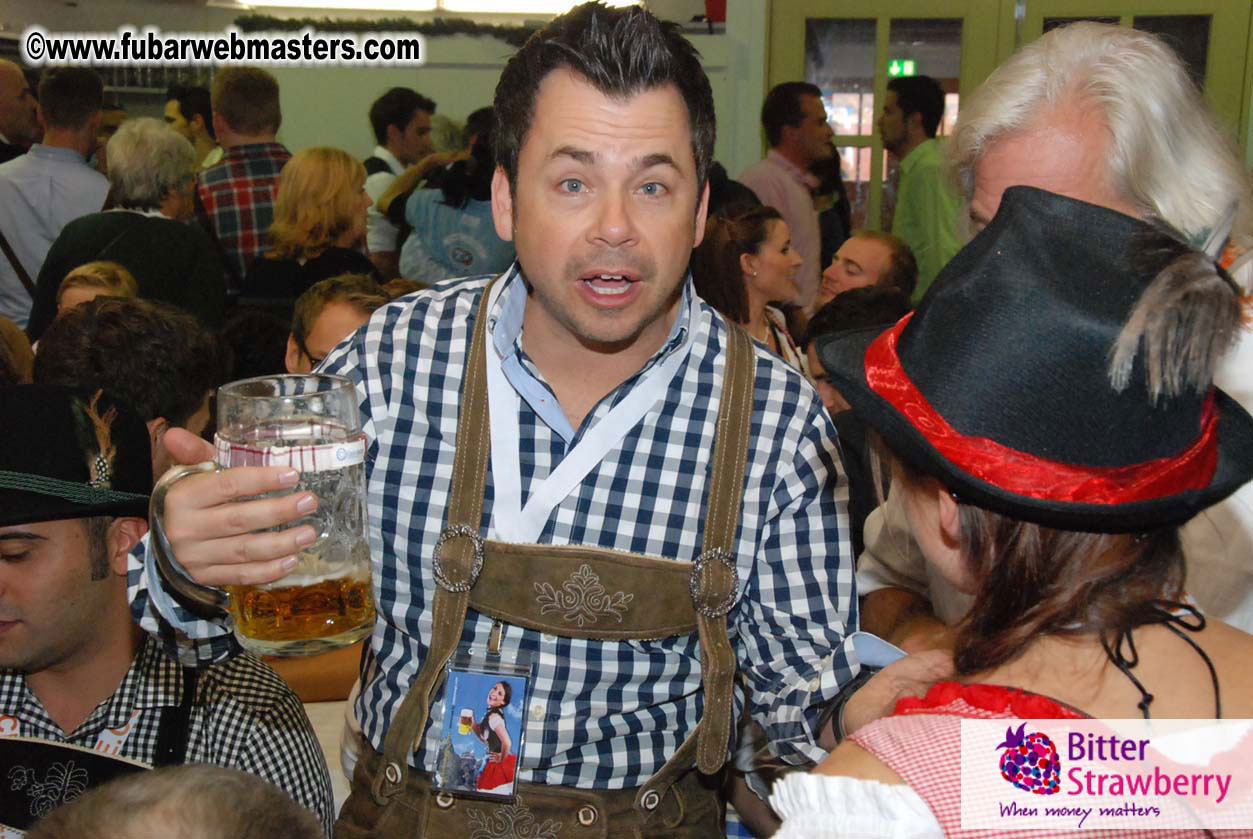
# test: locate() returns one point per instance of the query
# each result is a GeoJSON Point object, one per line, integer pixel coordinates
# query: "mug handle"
{"type": "Point", "coordinates": [205, 602]}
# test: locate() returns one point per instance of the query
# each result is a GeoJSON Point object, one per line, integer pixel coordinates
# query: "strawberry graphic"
{"type": "Point", "coordinates": [1030, 762]}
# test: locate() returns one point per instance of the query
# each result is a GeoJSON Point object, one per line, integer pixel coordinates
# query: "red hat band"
{"type": "Point", "coordinates": [1034, 477]}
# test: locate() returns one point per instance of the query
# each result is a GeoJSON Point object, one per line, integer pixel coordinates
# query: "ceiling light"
{"type": "Point", "coordinates": [554, 7]}
{"type": "Point", "coordinates": [363, 5]}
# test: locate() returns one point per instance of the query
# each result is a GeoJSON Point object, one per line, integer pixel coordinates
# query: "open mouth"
{"type": "Point", "coordinates": [608, 284]}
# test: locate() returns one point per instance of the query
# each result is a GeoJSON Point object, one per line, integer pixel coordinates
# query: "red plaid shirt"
{"type": "Point", "coordinates": [236, 203]}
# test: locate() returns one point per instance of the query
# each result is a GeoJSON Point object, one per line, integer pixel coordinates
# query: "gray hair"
{"type": "Point", "coordinates": [147, 160]}
{"type": "Point", "coordinates": [195, 801]}
{"type": "Point", "coordinates": [1169, 156]}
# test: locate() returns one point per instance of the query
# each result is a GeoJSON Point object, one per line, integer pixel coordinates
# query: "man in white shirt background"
{"type": "Point", "coordinates": [401, 119]}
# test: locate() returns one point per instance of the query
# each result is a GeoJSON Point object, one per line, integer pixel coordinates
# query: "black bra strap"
{"type": "Point", "coordinates": [1125, 663]}
{"type": "Point", "coordinates": [1213, 674]}
{"type": "Point", "coordinates": [1175, 617]}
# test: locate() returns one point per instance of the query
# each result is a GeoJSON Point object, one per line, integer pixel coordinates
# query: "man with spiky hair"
{"type": "Point", "coordinates": [188, 111]}
{"type": "Point", "coordinates": [79, 681]}
{"type": "Point", "coordinates": [665, 507]}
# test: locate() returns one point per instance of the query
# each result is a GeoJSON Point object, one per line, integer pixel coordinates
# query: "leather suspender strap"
{"type": "Point", "coordinates": [17, 265]}
{"type": "Point", "coordinates": [457, 561]}
{"type": "Point", "coordinates": [715, 581]}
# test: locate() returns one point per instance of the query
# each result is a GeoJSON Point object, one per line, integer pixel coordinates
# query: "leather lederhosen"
{"type": "Point", "coordinates": [652, 599]}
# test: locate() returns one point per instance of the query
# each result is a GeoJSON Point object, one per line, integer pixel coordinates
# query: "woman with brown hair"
{"type": "Point", "coordinates": [502, 759]}
{"type": "Point", "coordinates": [744, 264]}
{"type": "Point", "coordinates": [1052, 421]}
{"type": "Point", "coordinates": [319, 221]}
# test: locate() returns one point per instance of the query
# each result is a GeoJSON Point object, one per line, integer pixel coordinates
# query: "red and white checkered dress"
{"type": "Point", "coordinates": [921, 742]}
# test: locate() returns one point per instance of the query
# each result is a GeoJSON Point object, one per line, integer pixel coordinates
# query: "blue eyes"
{"type": "Point", "coordinates": [575, 186]}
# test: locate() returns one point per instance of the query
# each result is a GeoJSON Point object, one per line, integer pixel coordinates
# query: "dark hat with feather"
{"type": "Point", "coordinates": [1059, 371]}
{"type": "Point", "coordinates": [68, 454]}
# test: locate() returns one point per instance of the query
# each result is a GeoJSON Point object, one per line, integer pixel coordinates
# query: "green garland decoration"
{"type": "Point", "coordinates": [440, 27]}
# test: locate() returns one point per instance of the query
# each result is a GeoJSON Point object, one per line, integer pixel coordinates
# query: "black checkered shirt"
{"type": "Point", "coordinates": [243, 716]}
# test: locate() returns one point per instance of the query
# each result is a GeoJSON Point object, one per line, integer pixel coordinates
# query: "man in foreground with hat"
{"type": "Point", "coordinates": [80, 683]}
{"type": "Point", "coordinates": [1046, 118]}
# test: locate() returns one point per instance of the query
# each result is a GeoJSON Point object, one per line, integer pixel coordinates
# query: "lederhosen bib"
{"type": "Point", "coordinates": [36, 775]}
{"type": "Point", "coordinates": [499, 580]}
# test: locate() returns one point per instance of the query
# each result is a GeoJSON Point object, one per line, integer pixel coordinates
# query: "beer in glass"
{"type": "Point", "coordinates": [312, 424]}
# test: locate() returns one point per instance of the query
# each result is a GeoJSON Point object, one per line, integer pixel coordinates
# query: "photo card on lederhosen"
{"type": "Point", "coordinates": [482, 727]}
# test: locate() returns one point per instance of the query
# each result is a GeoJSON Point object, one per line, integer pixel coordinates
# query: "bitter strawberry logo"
{"type": "Point", "coordinates": [1030, 762]}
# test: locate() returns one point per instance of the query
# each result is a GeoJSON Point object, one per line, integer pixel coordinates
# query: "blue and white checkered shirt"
{"type": "Point", "coordinates": [601, 714]}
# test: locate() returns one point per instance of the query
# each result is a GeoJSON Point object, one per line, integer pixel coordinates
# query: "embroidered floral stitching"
{"type": "Point", "coordinates": [582, 599]}
{"type": "Point", "coordinates": [511, 821]}
{"type": "Point", "coordinates": [64, 783]}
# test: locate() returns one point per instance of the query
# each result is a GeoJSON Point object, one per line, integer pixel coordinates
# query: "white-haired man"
{"type": "Point", "coordinates": [1107, 115]}
{"type": "Point", "coordinates": [151, 177]}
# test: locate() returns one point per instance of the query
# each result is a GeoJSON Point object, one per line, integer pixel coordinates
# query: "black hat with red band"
{"type": "Point", "coordinates": [999, 383]}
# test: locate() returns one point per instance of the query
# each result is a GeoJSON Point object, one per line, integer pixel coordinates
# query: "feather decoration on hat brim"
{"type": "Point", "coordinates": [95, 434]}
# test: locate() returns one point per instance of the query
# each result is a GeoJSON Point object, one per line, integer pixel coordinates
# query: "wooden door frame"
{"type": "Point", "coordinates": [981, 44]}
{"type": "Point", "coordinates": [1228, 83]}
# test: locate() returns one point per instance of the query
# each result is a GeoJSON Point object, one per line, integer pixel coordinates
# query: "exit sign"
{"type": "Point", "coordinates": [901, 67]}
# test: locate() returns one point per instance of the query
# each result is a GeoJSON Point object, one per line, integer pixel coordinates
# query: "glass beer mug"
{"type": "Point", "coordinates": [310, 423]}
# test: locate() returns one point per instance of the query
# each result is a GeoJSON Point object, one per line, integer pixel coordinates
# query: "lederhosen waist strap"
{"type": "Point", "coordinates": [530, 585]}
{"type": "Point", "coordinates": [689, 809]}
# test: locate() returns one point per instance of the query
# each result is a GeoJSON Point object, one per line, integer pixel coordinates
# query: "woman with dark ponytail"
{"type": "Point", "coordinates": [746, 263]}
{"type": "Point", "coordinates": [1051, 420]}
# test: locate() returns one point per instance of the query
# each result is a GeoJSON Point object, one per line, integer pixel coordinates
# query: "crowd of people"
{"type": "Point", "coordinates": [668, 443]}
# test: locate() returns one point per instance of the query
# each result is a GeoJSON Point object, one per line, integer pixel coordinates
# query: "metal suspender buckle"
{"type": "Point", "coordinates": [702, 595]}
{"type": "Point", "coordinates": [476, 567]}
